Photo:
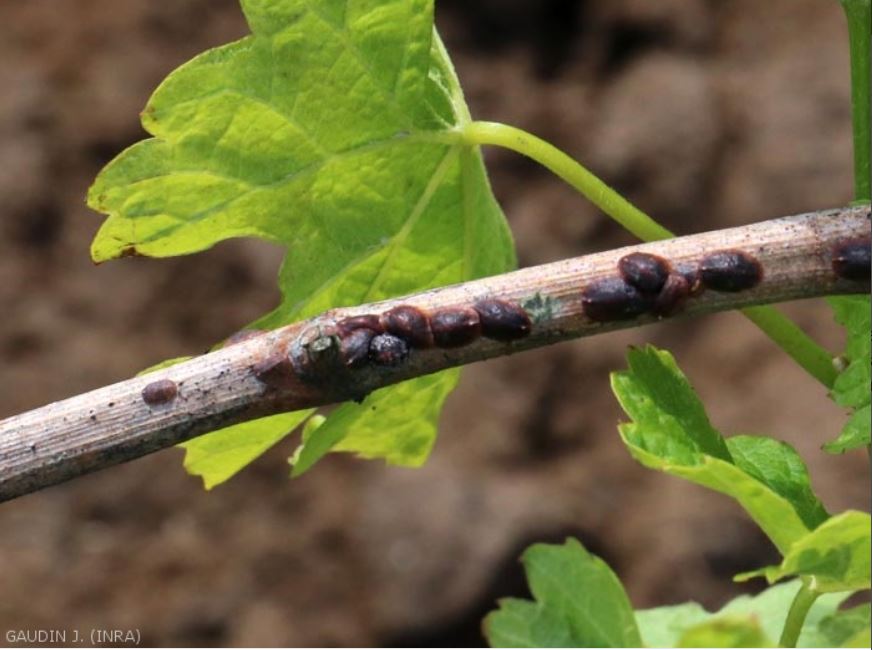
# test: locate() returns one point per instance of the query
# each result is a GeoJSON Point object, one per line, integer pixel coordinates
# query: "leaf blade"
{"type": "Point", "coordinates": [333, 130]}
{"type": "Point", "coordinates": [579, 602]}
{"type": "Point", "coordinates": [673, 443]}
{"type": "Point", "coordinates": [218, 456]}
{"type": "Point", "coordinates": [852, 385]}
{"type": "Point", "coordinates": [834, 557]}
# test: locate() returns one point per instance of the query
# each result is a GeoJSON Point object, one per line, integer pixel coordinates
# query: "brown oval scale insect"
{"type": "Point", "coordinates": [354, 347]}
{"type": "Point", "coordinates": [730, 271]}
{"type": "Point", "coordinates": [158, 392]}
{"type": "Point", "coordinates": [644, 271]}
{"type": "Point", "coordinates": [367, 321]}
{"type": "Point", "coordinates": [455, 327]}
{"type": "Point", "coordinates": [672, 296]}
{"type": "Point", "coordinates": [851, 259]}
{"type": "Point", "coordinates": [410, 324]}
{"type": "Point", "coordinates": [502, 320]}
{"type": "Point", "coordinates": [612, 299]}
{"type": "Point", "coordinates": [388, 350]}
{"type": "Point", "coordinates": [690, 272]}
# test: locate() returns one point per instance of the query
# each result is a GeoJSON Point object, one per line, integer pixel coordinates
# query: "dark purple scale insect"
{"type": "Point", "coordinates": [388, 350]}
{"type": "Point", "coordinates": [410, 324]}
{"type": "Point", "coordinates": [354, 347]}
{"type": "Point", "coordinates": [502, 320]}
{"type": "Point", "coordinates": [159, 392]}
{"type": "Point", "coordinates": [851, 259]}
{"type": "Point", "coordinates": [730, 271]}
{"type": "Point", "coordinates": [368, 321]}
{"type": "Point", "coordinates": [690, 272]}
{"type": "Point", "coordinates": [455, 327]}
{"type": "Point", "coordinates": [672, 296]}
{"type": "Point", "coordinates": [646, 272]}
{"type": "Point", "coordinates": [613, 299]}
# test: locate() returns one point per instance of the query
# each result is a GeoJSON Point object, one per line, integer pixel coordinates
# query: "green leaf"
{"type": "Point", "coordinates": [335, 130]}
{"type": "Point", "coordinates": [835, 556]}
{"type": "Point", "coordinates": [844, 629]}
{"type": "Point", "coordinates": [777, 465]}
{"type": "Point", "coordinates": [219, 455]}
{"type": "Point", "coordinates": [579, 602]}
{"type": "Point", "coordinates": [726, 632]}
{"type": "Point", "coordinates": [374, 429]}
{"type": "Point", "coordinates": [524, 624]}
{"type": "Point", "coordinates": [860, 639]}
{"type": "Point", "coordinates": [855, 434]}
{"type": "Point", "coordinates": [767, 478]}
{"type": "Point", "coordinates": [663, 400]}
{"type": "Point", "coordinates": [662, 627]}
{"type": "Point", "coordinates": [851, 388]}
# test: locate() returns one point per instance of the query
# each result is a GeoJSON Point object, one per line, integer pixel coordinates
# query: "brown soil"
{"type": "Point", "coordinates": [707, 114]}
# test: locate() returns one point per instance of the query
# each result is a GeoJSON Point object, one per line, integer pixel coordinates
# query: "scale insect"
{"type": "Point", "coordinates": [648, 273]}
{"type": "Point", "coordinates": [611, 299]}
{"type": "Point", "coordinates": [502, 320]}
{"type": "Point", "coordinates": [730, 271]}
{"type": "Point", "coordinates": [851, 259]}
{"type": "Point", "coordinates": [455, 327]}
{"type": "Point", "coordinates": [388, 350]}
{"type": "Point", "coordinates": [410, 324]}
{"type": "Point", "coordinates": [162, 391]}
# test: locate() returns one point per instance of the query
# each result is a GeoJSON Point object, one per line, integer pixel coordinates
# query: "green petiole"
{"type": "Point", "coordinates": [787, 335]}
{"type": "Point", "coordinates": [549, 156]}
{"type": "Point", "coordinates": [802, 602]}
{"type": "Point", "coordinates": [859, 15]}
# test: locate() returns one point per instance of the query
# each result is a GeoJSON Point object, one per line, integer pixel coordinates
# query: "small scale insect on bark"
{"type": "Point", "coordinates": [454, 327]}
{"type": "Point", "coordinates": [502, 320]}
{"type": "Point", "coordinates": [612, 299]}
{"type": "Point", "coordinates": [851, 259]}
{"type": "Point", "coordinates": [410, 324]}
{"type": "Point", "coordinates": [354, 347]}
{"type": "Point", "coordinates": [646, 272]}
{"type": "Point", "coordinates": [672, 296]}
{"type": "Point", "coordinates": [690, 272]}
{"type": "Point", "coordinates": [368, 321]}
{"type": "Point", "coordinates": [388, 350]}
{"type": "Point", "coordinates": [162, 391]}
{"type": "Point", "coordinates": [730, 271]}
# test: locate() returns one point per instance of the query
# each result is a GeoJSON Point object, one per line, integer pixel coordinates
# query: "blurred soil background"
{"type": "Point", "coordinates": [707, 114]}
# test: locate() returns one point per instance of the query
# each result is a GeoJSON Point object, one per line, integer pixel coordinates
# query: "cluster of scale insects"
{"type": "Point", "coordinates": [645, 284]}
{"type": "Point", "coordinates": [387, 339]}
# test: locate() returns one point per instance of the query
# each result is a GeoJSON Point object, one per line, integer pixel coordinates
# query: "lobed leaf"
{"type": "Point", "coordinates": [851, 388]}
{"type": "Point", "coordinates": [663, 627]}
{"type": "Point", "coordinates": [767, 478]}
{"type": "Point", "coordinates": [333, 130]}
{"type": "Point", "coordinates": [579, 602]}
{"type": "Point", "coordinates": [834, 557]}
